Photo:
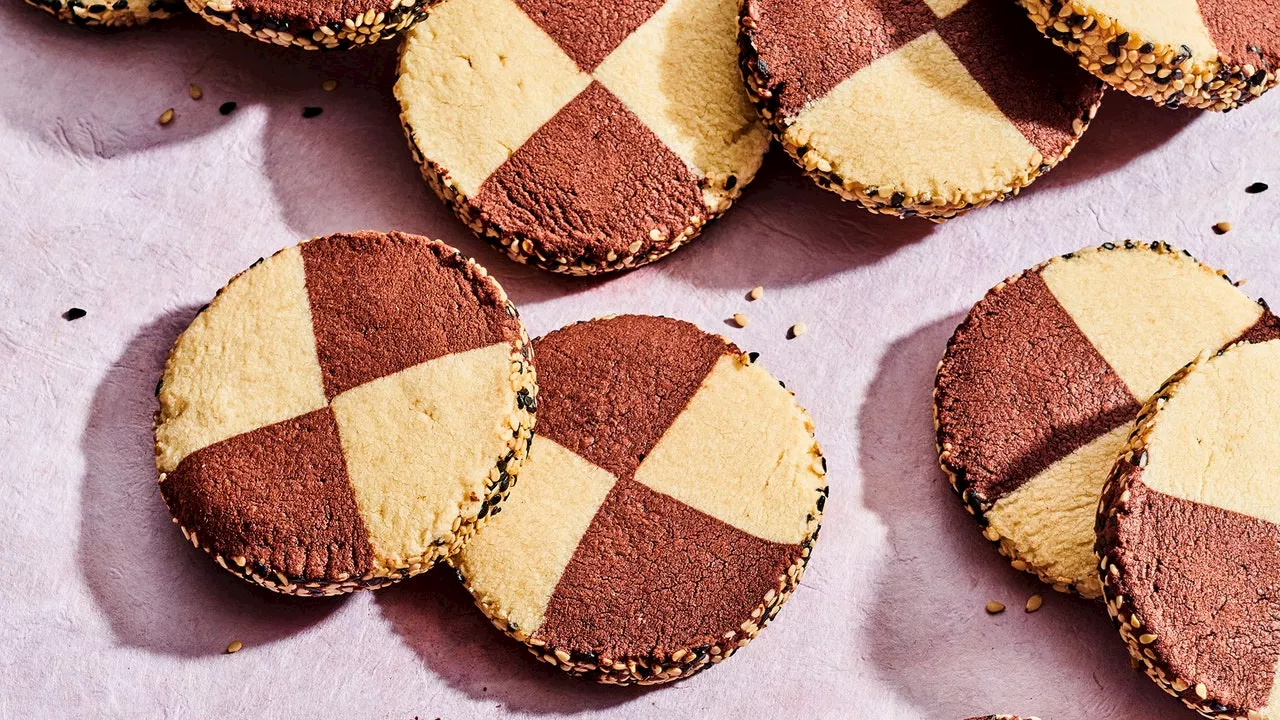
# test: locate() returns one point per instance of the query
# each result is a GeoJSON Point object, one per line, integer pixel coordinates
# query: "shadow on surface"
{"type": "Point", "coordinates": [931, 638]}
{"type": "Point", "coordinates": [158, 592]}
{"type": "Point", "coordinates": [436, 617]}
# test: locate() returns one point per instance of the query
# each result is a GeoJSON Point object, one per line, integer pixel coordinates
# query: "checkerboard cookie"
{"type": "Point", "coordinates": [581, 136]}
{"type": "Point", "coordinates": [344, 413]}
{"type": "Point", "coordinates": [314, 24]}
{"type": "Point", "coordinates": [667, 510]}
{"type": "Point", "coordinates": [109, 13]}
{"type": "Point", "coordinates": [914, 107]}
{"type": "Point", "coordinates": [1214, 54]}
{"type": "Point", "coordinates": [1041, 383]}
{"type": "Point", "coordinates": [1189, 540]}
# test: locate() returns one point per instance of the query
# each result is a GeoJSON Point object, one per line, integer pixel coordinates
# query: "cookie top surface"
{"type": "Point", "coordinates": [336, 413]}
{"type": "Point", "coordinates": [1189, 539]}
{"type": "Point", "coordinates": [922, 102]}
{"type": "Point", "coordinates": [667, 509]}
{"type": "Point", "coordinates": [581, 133]}
{"type": "Point", "coordinates": [1041, 383]}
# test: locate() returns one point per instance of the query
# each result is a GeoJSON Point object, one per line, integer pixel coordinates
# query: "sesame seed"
{"type": "Point", "coordinates": [1034, 602]}
{"type": "Point", "coordinates": [1222, 228]}
{"type": "Point", "coordinates": [195, 91]}
{"type": "Point", "coordinates": [1201, 691]}
{"type": "Point", "coordinates": [329, 85]}
{"type": "Point", "coordinates": [1147, 638]}
{"type": "Point", "coordinates": [74, 313]}
{"type": "Point", "coordinates": [310, 112]}
{"type": "Point", "coordinates": [756, 293]}
{"type": "Point", "coordinates": [234, 647]}
{"type": "Point", "coordinates": [1256, 188]}
{"type": "Point", "coordinates": [797, 330]}
{"type": "Point", "coordinates": [166, 117]}
{"type": "Point", "coordinates": [227, 108]}
{"type": "Point", "coordinates": [995, 608]}
{"type": "Point", "coordinates": [740, 320]}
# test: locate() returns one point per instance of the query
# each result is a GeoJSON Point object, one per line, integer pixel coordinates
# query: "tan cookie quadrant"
{"type": "Point", "coordinates": [581, 137]}
{"type": "Point", "coordinates": [1188, 537]}
{"type": "Point", "coordinates": [917, 107]}
{"type": "Point", "coordinates": [344, 413]}
{"type": "Point", "coordinates": [1040, 385]}
{"type": "Point", "coordinates": [611, 562]}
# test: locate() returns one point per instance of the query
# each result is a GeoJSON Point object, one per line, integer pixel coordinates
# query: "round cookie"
{"type": "Point", "coordinates": [345, 413]}
{"type": "Point", "coordinates": [1041, 382]}
{"type": "Point", "coordinates": [917, 107]}
{"type": "Point", "coordinates": [117, 13]}
{"type": "Point", "coordinates": [581, 136]}
{"type": "Point", "coordinates": [1214, 54]}
{"type": "Point", "coordinates": [667, 510]}
{"type": "Point", "coordinates": [314, 24]}
{"type": "Point", "coordinates": [1189, 540]}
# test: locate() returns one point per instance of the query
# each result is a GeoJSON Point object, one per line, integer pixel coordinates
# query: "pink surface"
{"type": "Point", "coordinates": [106, 611]}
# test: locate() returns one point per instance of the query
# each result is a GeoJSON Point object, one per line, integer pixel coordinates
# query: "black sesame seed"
{"type": "Point", "coordinates": [159, 384]}
{"type": "Point", "coordinates": [1109, 245]}
{"type": "Point", "coordinates": [1146, 48]}
{"type": "Point", "coordinates": [1256, 188]}
{"type": "Point", "coordinates": [122, 4]}
{"type": "Point", "coordinates": [97, 8]}
{"type": "Point", "coordinates": [731, 182]}
{"type": "Point", "coordinates": [310, 112]}
{"type": "Point", "coordinates": [754, 356]}
{"type": "Point", "coordinates": [74, 313]}
{"type": "Point", "coordinates": [227, 108]}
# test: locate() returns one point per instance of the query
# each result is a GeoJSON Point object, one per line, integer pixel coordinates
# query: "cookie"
{"type": "Point", "coordinates": [1040, 385]}
{"type": "Point", "coordinates": [344, 413]}
{"type": "Point", "coordinates": [667, 510]}
{"type": "Point", "coordinates": [916, 107]}
{"type": "Point", "coordinates": [1188, 535]}
{"type": "Point", "coordinates": [119, 13]}
{"type": "Point", "coordinates": [1214, 54]}
{"type": "Point", "coordinates": [581, 136]}
{"type": "Point", "coordinates": [314, 24]}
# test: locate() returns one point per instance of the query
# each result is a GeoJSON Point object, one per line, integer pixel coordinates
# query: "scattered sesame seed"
{"type": "Point", "coordinates": [995, 608]}
{"type": "Point", "coordinates": [166, 117]}
{"type": "Point", "coordinates": [234, 647]}
{"type": "Point", "coordinates": [227, 108]}
{"type": "Point", "coordinates": [1034, 602]}
{"type": "Point", "coordinates": [310, 112]}
{"type": "Point", "coordinates": [74, 313]}
{"type": "Point", "coordinates": [1222, 228]}
{"type": "Point", "coordinates": [329, 85]}
{"type": "Point", "coordinates": [756, 293]}
{"type": "Point", "coordinates": [1256, 188]}
{"type": "Point", "coordinates": [797, 330]}
{"type": "Point", "coordinates": [740, 320]}
{"type": "Point", "coordinates": [195, 91]}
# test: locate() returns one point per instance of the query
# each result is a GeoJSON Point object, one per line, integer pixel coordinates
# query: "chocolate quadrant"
{"type": "Point", "coordinates": [589, 30]}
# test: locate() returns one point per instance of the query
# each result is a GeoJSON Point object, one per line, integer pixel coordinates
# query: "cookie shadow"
{"type": "Point", "coordinates": [435, 616]}
{"type": "Point", "coordinates": [157, 592]}
{"type": "Point", "coordinates": [930, 637]}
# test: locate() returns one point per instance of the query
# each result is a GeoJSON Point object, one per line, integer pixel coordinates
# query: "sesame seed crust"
{"type": "Point", "coordinates": [109, 13]}
{"type": "Point", "coordinates": [519, 424]}
{"type": "Point", "coordinates": [1168, 76]}
{"type": "Point", "coordinates": [978, 504]}
{"type": "Point", "coordinates": [364, 29]}
{"type": "Point", "coordinates": [764, 92]}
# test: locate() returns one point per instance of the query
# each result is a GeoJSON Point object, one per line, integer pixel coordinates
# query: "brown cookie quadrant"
{"type": "Point", "coordinates": [589, 30]}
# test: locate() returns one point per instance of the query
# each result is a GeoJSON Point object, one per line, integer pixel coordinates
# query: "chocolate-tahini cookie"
{"type": "Point", "coordinates": [314, 24]}
{"type": "Point", "coordinates": [667, 510]}
{"type": "Point", "coordinates": [344, 413]}
{"type": "Point", "coordinates": [915, 107]}
{"type": "Point", "coordinates": [109, 13]}
{"type": "Point", "coordinates": [1040, 385]}
{"type": "Point", "coordinates": [581, 136]}
{"type": "Point", "coordinates": [1189, 539]}
{"type": "Point", "coordinates": [1214, 54]}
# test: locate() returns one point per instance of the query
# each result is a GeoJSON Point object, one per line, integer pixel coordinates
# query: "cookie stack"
{"type": "Point", "coordinates": [1103, 416]}
{"type": "Point", "coordinates": [355, 409]}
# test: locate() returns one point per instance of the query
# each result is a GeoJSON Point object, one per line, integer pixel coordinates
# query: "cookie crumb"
{"type": "Point", "coordinates": [195, 92]}
{"type": "Point", "coordinates": [797, 330]}
{"type": "Point", "coordinates": [1222, 228]}
{"type": "Point", "coordinates": [227, 108]}
{"type": "Point", "coordinates": [995, 608]}
{"type": "Point", "coordinates": [74, 313]}
{"type": "Point", "coordinates": [741, 320]}
{"type": "Point", "coordinates": [329, 85]}
{"type": "Point", "coordinates": [310, 112]}
{"type": "Point", "coordinates": [166, 117]}
{"type": "Point", "coordinates": [1034, 602]}
{"type": "Point", "coordinates": [234, 647]}
{"type": "Point", "coordinates": [1256, 188]}
{"type": "Point", "coordinates": [756, 293]}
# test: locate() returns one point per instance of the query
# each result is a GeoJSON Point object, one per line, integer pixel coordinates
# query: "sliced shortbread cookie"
{"type": "Point", "coordinates": [344, 413]}
{"type": "Point", "coordinates": [914, 107]}
{"type": "Point", "coordinates": [1041, 383]}
{"type": "Point", "coordinates": [1215, 54]}
{"type": "Point", "coordinates": [314, 24]}
{"type": "Point", "coordinates": [667, 510]}
{"type": "Point", "coordinates": [110, 13]}
{"type": "Point", "coordinates": [1189, 538]}
{"type": "Point", "coordinates": [581, 136]}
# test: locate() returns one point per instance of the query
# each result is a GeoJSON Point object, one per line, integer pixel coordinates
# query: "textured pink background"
{"type": "Point", "coordinates": [105, 610]}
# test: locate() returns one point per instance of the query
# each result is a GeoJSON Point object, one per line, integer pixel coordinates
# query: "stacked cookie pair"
{"type": "Point", "coordinates": [354, 409]}
{"type": "Point", "coordinates": [1106, 416]}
